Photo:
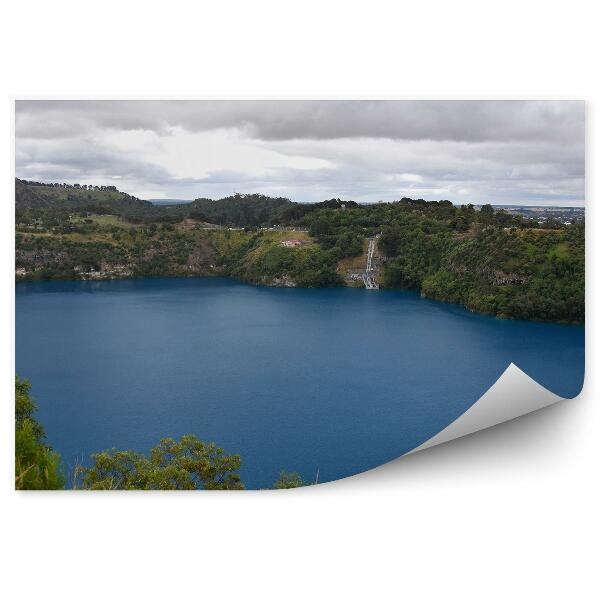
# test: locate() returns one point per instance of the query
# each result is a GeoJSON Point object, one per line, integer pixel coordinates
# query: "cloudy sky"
{"type": "Point", "coordinates": [502, 152]}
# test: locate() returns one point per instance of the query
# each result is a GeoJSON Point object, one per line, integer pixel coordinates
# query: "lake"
{"type": "Point", "coordinates": [330, 380]}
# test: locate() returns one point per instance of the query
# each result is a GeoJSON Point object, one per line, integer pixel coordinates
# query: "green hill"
{"type": "Point", "coordinates": [35, 200]}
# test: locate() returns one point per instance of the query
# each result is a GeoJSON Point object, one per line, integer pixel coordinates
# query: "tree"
{"type": "Point", "coordinates": [288, 480]}
{"type": "Point", "coordinates": [486, 214]}
{"type": "Point", "coordinates": [37, 466]}
{"type": "Point", "coordinates": [187, 464]}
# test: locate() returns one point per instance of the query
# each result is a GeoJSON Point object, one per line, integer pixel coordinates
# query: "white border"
{"type": "Point", "coordinates": [507, 513]}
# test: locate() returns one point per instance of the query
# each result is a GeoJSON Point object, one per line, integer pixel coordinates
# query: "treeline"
{"type": "Point", "coordinates": [184, 464]}
{"type": "Point", "coordinates": [489, 260]}
{"type": "Point", "coordinates": [239, 210]}
{"type": "Point", "coordinates": [74, 186]}
{"type": "Point", "coordinates": [53, 203]}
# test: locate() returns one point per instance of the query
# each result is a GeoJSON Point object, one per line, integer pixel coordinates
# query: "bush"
{"type": "Point", "coordinates": [37, 466]}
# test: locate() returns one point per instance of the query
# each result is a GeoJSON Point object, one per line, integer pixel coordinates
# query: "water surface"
{"type": "Point", "coordinates": [335, 380]}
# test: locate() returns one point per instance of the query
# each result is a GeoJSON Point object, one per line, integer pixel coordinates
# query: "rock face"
{"type": "Point", "coordinates": [53, 256]}
{"type": "Point", "coordinates": [39, 258]}
{"type": "Point", "coordinates": [494, 276]}
{"type": "Point", "coordinates": [202, 256]}
{"type": "Point", "coordinates": [283, 281]}
{"type": "Point", "coordinates": [106, 271]}
{"type": "Point", "coordinates": [498, 277]}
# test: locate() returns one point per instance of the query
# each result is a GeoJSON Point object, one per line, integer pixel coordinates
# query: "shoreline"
{"type": "Point", "coordinates": [22, 280]}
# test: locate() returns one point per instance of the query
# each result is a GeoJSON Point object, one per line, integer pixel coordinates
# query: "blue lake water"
{"type": "Point", "coordinates": [335, 380]}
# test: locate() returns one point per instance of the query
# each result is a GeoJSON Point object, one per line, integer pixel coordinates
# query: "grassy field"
{"type": "Point", "coordinates": [104, 220]}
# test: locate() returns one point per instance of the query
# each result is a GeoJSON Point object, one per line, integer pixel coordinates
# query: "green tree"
{"type": "Point", "coordinates": [37, 466]}
{"type": "Point", "coordinates": [288, 480]}
{"type": "Point", "coordinates": [486, 214]}
{"type": "Point", "coordinates": [187, 464]}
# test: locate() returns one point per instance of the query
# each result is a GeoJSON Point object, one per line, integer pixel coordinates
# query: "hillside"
{"type": "Point", "coordinates": [47, 201]}
{"type": "Point", "coordinates": [490, 261]}
{"type": "Point", "coordinates": [54, 202]}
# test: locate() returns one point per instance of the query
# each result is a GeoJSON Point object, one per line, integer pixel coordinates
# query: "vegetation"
{"type": "Point", "coordinates": [184, 464]}
{"type": "Point", "coordinates": [187, 464]}
{"type": "Point", "coordinates": [262, 259]}
{"type": "Point", "coordinates": [37, 466]}
{"type": "Point", "coordinates": [488, 260]}
{"type": "Point", "coordinates": [288, 481]}
{"type": "Point", "coordinates": [51, 204]}
{"type": "Point", "coordinates": [239, 210]}
{"type": "Point", "coordinates": [509, 272]}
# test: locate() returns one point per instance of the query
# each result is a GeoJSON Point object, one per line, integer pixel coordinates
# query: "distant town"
{"type": "Point", "coordinates": [543, 214]}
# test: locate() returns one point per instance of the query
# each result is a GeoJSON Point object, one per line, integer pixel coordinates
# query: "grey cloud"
{"type": "Point", "coordinates": [500, 151]}
{"type": "Point", "coordinates": [363, 184]}
{"type": "Point", "coordinates": [472, 121]}
{"type": "Point", "coordinates": [450, 160]}
{"type": "Point", "coordinates": [82, 159]}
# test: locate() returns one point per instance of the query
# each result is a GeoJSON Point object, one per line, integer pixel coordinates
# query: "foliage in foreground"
{"type": "Point", "coordinates": [287, 481]}
{"type": "Point", "coordinates": [187, 464]}
{"type": "Point", "coordinates": [37, 466]}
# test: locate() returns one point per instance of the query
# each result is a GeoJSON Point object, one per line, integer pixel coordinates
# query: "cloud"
{"type": "Point", "coordinates": [294, 119]}
{"type": "Point", "coordinates": [84, 159]}
{"type": "Point", "coordinates": [464, 151]}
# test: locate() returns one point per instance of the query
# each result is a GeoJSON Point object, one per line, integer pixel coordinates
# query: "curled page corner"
{"type": "Point", "coordinates": [514, 394]}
